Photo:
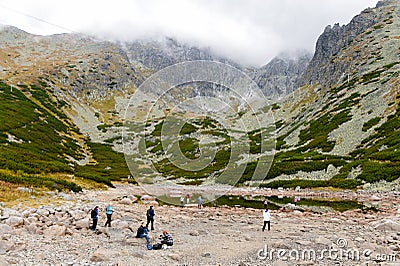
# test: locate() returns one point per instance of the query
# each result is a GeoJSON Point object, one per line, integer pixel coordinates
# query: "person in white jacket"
{"type": "Point", "coordinates": [267, 218]}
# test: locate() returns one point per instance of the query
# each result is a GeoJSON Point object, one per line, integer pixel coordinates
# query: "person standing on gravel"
{"type": "Point", "coordinates": [150, 217]}
{"type": "Point", "coordinates": [199, 202]}
{"type": "Point", "coordinates": [94, 214]}
{"type": "Point", "coordinates": [109, 212]}
{"type": "Point", "coordinates": [267, 218]}
{"type": "Point", "coordinates": [187, 198]}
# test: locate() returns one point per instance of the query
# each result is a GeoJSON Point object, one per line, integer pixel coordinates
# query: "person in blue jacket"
{"type": "Point", "coordinates": [143, 232]}
{"type": "Point", "coordinates": [94, 214]}
{"type": "Point", "coordinates": [109, 212]}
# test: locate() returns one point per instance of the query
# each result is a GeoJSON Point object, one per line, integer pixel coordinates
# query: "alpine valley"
{"type": "Point", "coordinates": [63, 101]}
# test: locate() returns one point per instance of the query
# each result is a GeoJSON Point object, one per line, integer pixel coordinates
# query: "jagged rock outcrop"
{"type": "Point", "coordinates": [334, 39]}
{"type": "Point", "coordinates": [279, 77]}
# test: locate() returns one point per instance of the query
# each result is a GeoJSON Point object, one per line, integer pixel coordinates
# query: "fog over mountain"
{"type": "Point", "coordinates": [249, 32]}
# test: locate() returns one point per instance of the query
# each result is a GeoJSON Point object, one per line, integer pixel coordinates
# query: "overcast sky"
{"type": "Point", "coordinates": [248, 31]}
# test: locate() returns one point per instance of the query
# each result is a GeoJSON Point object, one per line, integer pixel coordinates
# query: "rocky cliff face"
{"type": "Point", "coordinates": [279, 77]}
{"type": "Point", "coordinates": [347, 105]}
{"type": "Point", "coordinates": [334, 39]}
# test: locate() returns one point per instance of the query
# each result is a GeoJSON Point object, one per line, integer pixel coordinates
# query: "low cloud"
{"type": "Point", "coordinates": [248, 31]}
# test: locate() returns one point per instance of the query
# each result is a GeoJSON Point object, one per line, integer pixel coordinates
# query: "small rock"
{"type": "Point", "coordinates": [174, 256]}
{"type": "Point", "coordinates": [359, 239]}
{"type": "Point", "coordinates": [5, 245]}
{"type": "Point", "coordinates": [100, 254]}
{"type": "Point", "coordinates": [194, 233]}
{"type": "Point", "coordinates": [322, 241]}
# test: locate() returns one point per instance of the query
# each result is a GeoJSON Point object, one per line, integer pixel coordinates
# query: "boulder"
{"type": "Point", "coordinates": [387, 225]}
{"type": "Point", "coordinates": [32, 228]}
{"type": "Point", "coordinates": [153, 203]}
{"type": "Point", "coordinates": [7, 213]}
{"type": "Point", "coordinates": [133, 198]}
{"type": "Point", "coordinates": [121, 224]}
{"type": "Point", "coordinates": [15, 221]}
{"type": "Point", "coordinates": [5, 229]}
{"type": "Point", "coordinates": [126, 201]}
{"type": "Point", "coordinates": [101, 254]}
{"type": "Point", "coordinates": [78, 214]}
{"type": "Point", "coordinates": [55, 230]}
{"type": "Point", "coordinates": [82, 223]}
{"type": "Point", "coordinates": [147, 198]}
{"type": "Point", "coordinates": [43, 212]}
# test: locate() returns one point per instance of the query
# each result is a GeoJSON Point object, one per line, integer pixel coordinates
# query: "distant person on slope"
{"type": "Point", "coordinates": [150, 217]}
{"type": "Point", "coordinates": [267, 218]}
{"type": "Point", "coordinates": [199, 202]}
{"type": "Point", "coordinates": [109, 212]}
{"type": "Point", "coordinates": [187, 198]}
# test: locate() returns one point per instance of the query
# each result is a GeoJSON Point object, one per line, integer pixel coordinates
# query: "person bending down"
{"type": "Point", "coordinates": [166, 238]}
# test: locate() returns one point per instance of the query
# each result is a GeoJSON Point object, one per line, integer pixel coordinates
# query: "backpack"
{"type": "Point", "coordinates": [93, 213]}
{"type": "Point", "coordinates": [157, 246]}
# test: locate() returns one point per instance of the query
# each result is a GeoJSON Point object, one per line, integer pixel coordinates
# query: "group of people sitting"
{"type": "Point", "coordinates": [165, 238]}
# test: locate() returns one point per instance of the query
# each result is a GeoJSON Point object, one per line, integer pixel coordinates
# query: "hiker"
{"type": "Point", "coordinates": [94, 214]}
{"type": "Point", "coordinates": [109, 212]}
{"type": "Point", "coordinates": [150, 217]}
{"type": "Point", "coordinates": [182, 199]}
{"type": "Point", "coordinates": [267, 218]}
{"type": "Point", "coordinates": [199, 202]}
{"type": "Point", "coordinates": [187, 198]}
{"type": "Point", "coordinates": [143, 232]}
{"type": "Point", "coordinates": [295, 200]}
{"type": "Point", "coordinates": [166, 238]}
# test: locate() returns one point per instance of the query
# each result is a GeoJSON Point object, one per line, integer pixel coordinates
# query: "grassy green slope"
{"type": "Point", "coordinates": [36, 140]}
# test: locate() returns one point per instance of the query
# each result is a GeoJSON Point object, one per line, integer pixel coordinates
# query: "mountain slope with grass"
{"type": "Point", "coordinates": [41, 147]}
{"type": "Point", "coordinates": [346, 113]}
{"type": "Point", "coordinates": [64, 97]}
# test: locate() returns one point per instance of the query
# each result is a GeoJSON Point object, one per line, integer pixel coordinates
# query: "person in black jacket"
{"type": "Point", "coordinates": [94, 214]}
{"type": "Point", "coordinates": [143, 232]}
{"type": "Point", "coordinates": [150, 217]}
